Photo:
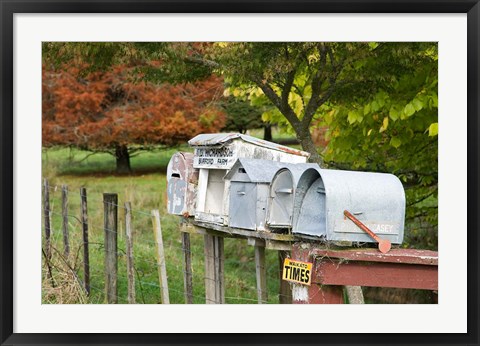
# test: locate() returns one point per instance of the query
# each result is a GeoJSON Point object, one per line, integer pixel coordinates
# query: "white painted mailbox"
{"type": "Point", "coordinates": [182, 181]}
{"type": "Point", "coordinates": [214, 156]}
{"type": "Point", "coordinates": [249, 191]}
{"type": "Point", "coordinates": [376, 199]}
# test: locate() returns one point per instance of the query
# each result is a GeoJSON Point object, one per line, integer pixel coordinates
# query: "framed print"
{"type": "Point", "coordinates": [184, 240]}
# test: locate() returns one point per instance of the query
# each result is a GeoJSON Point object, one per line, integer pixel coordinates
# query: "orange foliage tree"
{"type": "Point", "coordinates": [107, 111]}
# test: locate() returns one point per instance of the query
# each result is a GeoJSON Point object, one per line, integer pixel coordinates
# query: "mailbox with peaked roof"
{"type": "Point", "coordinates": [376, 199]}
{"type": "Point", "coordinates": [249, 190]}
{"type": "Point", "coordinates": [214, 156]}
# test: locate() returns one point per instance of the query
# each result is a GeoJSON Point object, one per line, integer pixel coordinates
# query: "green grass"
{"type": "Point", "coordinates": [145, 190]}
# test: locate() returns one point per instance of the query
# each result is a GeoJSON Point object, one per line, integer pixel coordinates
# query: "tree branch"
{"type": "Point", "coordinates": [287, 87]}
{"type": "Point", "coordinates": [287, 111]}
{"type": "Point", "coordinates": [317, 82]}
{"type": "Point", "coordinates": [208, 63]}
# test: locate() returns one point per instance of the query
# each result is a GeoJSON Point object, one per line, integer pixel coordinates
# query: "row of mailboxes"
{"type": "Point", "coordinates": [272, 195]}
{"type": "Point", "coordinates": [319, 197]}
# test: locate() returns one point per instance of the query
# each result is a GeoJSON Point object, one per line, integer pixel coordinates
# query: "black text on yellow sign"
{"type": "Point", "coordinates": [296, 271]}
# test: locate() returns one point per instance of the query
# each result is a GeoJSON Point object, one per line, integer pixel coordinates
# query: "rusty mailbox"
{"type": "Point", "coordinates": [376, 199]}
{"type": "Point", "coordinates": [282, 195]}
{"type": "Point", "coordinates": [214, 156]}
{"type": "Point", "coordinates": [249, 190]}
{"type": "Point", "coordinates": [182, 181]}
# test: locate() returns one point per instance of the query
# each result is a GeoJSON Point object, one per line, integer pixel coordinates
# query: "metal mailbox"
{"type": "Point", "coordinates": [249, 191]}
{"type": "Point", "coordinates": [376, 199]}
{"type": "Point", "coordinates": [282, 195]}
{"type": "Point", "coordinates": [182, 181]}
{"type": "Point", "coordinates": [214, 156]}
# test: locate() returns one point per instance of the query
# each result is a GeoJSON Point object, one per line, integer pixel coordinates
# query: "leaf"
{"type": "Point", "coordinates": [433, 129]}
{"type": "Point", "coordinates": [395, 142]}
{"type": "Point", "coordinates": [417, 104]}
{"type": "Point", "coordinates": [384, 125]}
{"type": "Point", "coordinates": [393, 114]}
{"type": "Point", "coordinates": [354, 116]}
{"type": "Point", "coordinates": [409, 110]}
{"type": "Point", "coordinates": [366, 109]}
{"type": "Point", "coordinates": [369, 132]}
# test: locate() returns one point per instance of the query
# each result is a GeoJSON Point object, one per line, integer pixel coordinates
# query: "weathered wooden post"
{"type": "Point", "coordinates": [260, 269]}
{"type": "Point", "coordinates": [46, 214]}
{"type": "Point", "coordinates": [214, 270]}
{"type": "Point", "coordinates": [130, 262]}
{"type": "Point", "coordinates": [110, 202]}
{"type": "Point", "coordinates": [187, 275]}
{"type": "Point", "coordinates": [86, 258]}
{"type": "Point", "coordinates": [66, 242]}
{"type": "Point", "coordinates": [313, 294]}
{"type": "Point", "coordinates": [162, 268]}
{"type": "Point", "coordinates": [285, 292]}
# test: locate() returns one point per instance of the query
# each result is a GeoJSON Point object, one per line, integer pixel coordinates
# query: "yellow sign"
{"type": "Point", "coordinates": [296, 271]}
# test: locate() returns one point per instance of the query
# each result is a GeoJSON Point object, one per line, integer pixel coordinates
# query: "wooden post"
{"type": "Point", "coordinates": [129, 243]}
{"type": "Point", "coordinates": [285, 293]}
{"type": "Point", "coordinates": [313, 294]}
{"type": "Point", "coordinates": [110, 201]}
{"type": "Point", "coordinates": [355, 294]}
{"type": "Point", "coordinates": [214, 263]}
{"type": "Point", "coordinates": [219, 270]}
{"type": "Point", "coordinates": [261, 272]}
{"type": "Point", "coordinates": [162, 268]}
{"type": "Point", "coordinates": [260, 269]}
{"type": "Point", "coordinates": [86, 259]}
{"type": "Point", "coordinates": [66, 243]}
{"type": "Point", "coordinates": [46, 214]}
{"type": "Point", "coordinates": [187, 276]}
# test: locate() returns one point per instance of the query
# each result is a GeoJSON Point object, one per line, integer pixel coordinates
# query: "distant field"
{"type": "Point", "coordinates": [145, 189]}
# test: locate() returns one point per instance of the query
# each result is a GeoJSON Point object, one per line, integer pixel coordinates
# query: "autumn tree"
{"type": "Point", "coordinates": [109, 111]}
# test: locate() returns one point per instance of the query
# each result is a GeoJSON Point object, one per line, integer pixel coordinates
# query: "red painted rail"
{"type": "Point", "coordinates": [332, 269]}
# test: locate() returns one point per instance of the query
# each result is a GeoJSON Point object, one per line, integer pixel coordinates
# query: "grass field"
{"type": "Point", "coordinates": [145, 190]}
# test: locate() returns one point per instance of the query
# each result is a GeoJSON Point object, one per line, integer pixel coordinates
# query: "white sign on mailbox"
{"type": "Point", "coordinates": [211, 157]}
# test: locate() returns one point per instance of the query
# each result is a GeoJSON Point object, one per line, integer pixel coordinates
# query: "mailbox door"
{"type": "Point", "coordinates": [312, 217]}
{"type": "Point", "coordinates": [177, 172]}
{"type": "Point", "coordinates": [281, 194]}
{"type": "Point", "coordinates": [243, 205]}
{"type": "Point", "coordinates": [214, 192]}
{"type": "Point", "coordinates": [176, 191]}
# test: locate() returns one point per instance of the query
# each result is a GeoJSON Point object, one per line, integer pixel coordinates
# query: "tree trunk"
{"type": "Point", "coordinates": [267, 132]}
{"type": "Point", "coordinates": [122, 157]}
{"type": "Point", "coordinates": [306, 141]}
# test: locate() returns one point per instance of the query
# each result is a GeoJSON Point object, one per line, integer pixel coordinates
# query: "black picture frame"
{"type": "Point", "coordinates": [10, 7]}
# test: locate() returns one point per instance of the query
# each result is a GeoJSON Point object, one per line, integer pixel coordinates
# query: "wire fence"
{"type": "Point", "coordinates": [76, 270]}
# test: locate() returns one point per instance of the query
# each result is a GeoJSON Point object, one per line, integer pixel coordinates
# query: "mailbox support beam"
{"type": "Point", "coordinates": [214, 264]}
{"type": "Point", "coordinates": [332, 269]}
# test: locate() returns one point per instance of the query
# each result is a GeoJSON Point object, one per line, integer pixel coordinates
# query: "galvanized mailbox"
{"type": "Point", "coordinates": [282, 195]}
{"type": "Point", "coordinates": [376, 199]}
{"type": "Point", "coordinates": [249, 191]}
{"type": "Point", "coordinates": [214, 156]}
{"type": "Point", "coordinates": [182, 181]}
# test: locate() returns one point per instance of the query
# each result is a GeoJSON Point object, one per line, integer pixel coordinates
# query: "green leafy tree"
{"type": "Point", "coordinates": [241, 115]}
{"type": "Point", "coordinates": [391, 125]}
